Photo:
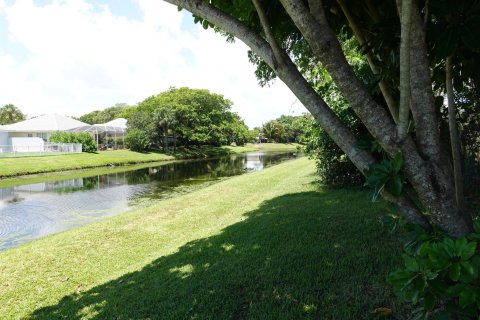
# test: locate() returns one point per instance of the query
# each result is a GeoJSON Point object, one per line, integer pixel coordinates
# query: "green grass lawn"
{"type": "Point", "coordinates": [10, 167]}
{"type": "Point", "coordinates": [29, 165]}
{"type": "Point", "coordinates": [264, 245]}
{"type": "Point", "coordinates": [286, 147]}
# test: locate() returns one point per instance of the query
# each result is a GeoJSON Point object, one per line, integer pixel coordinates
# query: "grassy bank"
{"type": "Point", "coordinates": [30, 165]}
{"type": "Point", "coordinates": [10, 167]}
{"type": "Point", "coordinates": [265, 245]}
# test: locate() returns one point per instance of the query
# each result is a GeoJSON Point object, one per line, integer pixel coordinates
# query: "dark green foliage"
{"type": "Point", "coordinates": [137, 140]}
{"type": "Point", "coordinates": [88, 143]}
{"type": "Point", "coordinates": [334, 168]}
{"type": "Point", "coordinates": [386, 175]}
{"type": "Point", "coordinates": [441, 275]}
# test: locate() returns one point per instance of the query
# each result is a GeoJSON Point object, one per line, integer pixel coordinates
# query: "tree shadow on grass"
{"type": "Point", "coordinates": [307, 255]}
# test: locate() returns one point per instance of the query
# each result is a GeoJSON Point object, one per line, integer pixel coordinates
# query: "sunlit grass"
{"type": "Point", "coordinates": [29, 165]}
{"type": "Point", "coordinates": [265, 245]}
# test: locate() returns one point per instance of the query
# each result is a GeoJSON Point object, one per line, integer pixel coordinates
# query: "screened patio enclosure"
{"type": "Point", "coordinates": [107, 135]}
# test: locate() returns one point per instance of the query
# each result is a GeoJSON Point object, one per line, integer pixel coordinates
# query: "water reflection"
{"type": "Point", "coordinates": [33, 210]}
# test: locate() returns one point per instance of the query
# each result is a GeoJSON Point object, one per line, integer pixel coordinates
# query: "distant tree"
{"type": "Point", "coordinates": [193, 116]}
{"type": "Point", "coordinates": [274, 131]}
{"type": "Point", "coordinates": [164, 117]}
{"type": "Point", "coordinates": [10, 114]}
{"type": "Point", "coordinates": [137, 140]}
{"type": "Point", "coordinates": [235, 129]}
{"type": "Point", "coordinates": [105, 115]}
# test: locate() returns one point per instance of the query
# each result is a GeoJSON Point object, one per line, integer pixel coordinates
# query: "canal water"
{"type": "Point", "coordinates": [32, 211]}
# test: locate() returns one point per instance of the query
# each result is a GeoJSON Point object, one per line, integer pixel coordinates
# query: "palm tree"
{"type": "Point", "coordinates": [10, 114]}
{"type": "Point", "coordinates": [165, 118]}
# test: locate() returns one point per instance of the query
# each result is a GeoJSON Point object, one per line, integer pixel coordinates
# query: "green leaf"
{"type": "Point", "coordinates": [401, 278]}
{"type": "Point", "coordinates": [410, 263]}
{"type": "Point", "coordinates": [455, 290]}
{"type": "Point", "coordinates": [476, 225]}
{"type": "Point", "coordinates": [476, 265]}
{"type": "Point", "coordinates": [429, 301]}
{"type": "Point", "coordinates": [394, 186]}
{"type": "Point", "coordinates": [468, 250]}
{"type": "Point", "coordinates": [467, 268]}
{"type": "Point", "coordinates": [431, 275]}
{"type": "Point", "coordinates": [412, 295]}
{"type": "Point", "coordinates": [467, 296]}
{"type": "Point", "coordinates": [448, 245]}
{"type": "Point", "coordinates": [424, 249]}
{"type": "Point", "coordinates": [397, 162]}
{"type": "Point", "coordinates": [454, 272]}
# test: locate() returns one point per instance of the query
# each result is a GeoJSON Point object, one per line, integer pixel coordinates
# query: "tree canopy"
{"type": "Point", "coordinates": [189, 117]}
{"type": "Point", "coordinates": [105, 115]}
{"type": "Point", "coordinates": [10, 114]}
{"type": "Point", "coordinates": [404, 44]}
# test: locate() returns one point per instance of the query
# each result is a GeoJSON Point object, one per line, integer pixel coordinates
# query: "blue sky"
{"type": "Point", "coordinates": [75, 56]}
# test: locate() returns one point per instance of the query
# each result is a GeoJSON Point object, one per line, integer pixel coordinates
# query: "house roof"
{"type": "Point", "coordinates": [118, 123]}
{"type": "Point", "coordinates": [44, 123]}
{"type": "Point", "coordinates": [115, 126]}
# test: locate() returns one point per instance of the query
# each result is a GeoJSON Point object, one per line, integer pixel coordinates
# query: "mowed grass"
{"type": "Point", "coordinates": [30, 165]}
{"type": "Point", "coordinates": [264, 245]}
{"type": "Point", "coordinates": [285, 147]}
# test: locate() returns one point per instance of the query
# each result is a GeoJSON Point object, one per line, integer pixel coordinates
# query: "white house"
{"type": "Point", "coordinates": [35, 131]}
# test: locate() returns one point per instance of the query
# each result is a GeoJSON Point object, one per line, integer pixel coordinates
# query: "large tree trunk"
{"type": "Point", "coordinates": [430, 180]}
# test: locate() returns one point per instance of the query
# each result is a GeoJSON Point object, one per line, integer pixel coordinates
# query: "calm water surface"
{"type": "Point", "coordinates": [31, 211]}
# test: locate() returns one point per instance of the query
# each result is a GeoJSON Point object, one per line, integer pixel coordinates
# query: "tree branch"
{"type": "Point", "coordinates": [277, 51]}
{"type": "Point", "coordinates": [404, 110]}
{"type": "Point", "coordinates": [408, 209]}
{"type": "Point", "coordinates": [326, 47]}
{"type": "Point", "coordinates": [316, 9]}
{"type": "Point", "coordinates": [423, 103]}
{"type": "Point", "coordinates": [454, 138]}
{"type": "Point", "coordinates": [429, 178]}
{"type": "Point", "coordinates": [289, 74]}
{"type": "Point", "coordinates": [384, 88]}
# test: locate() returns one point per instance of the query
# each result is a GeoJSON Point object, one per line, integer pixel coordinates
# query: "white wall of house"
{"type": "Point", "coordinates": [44, 135]}
{"type": "Point", "coordinates": [28, 144]}
{"type": "Point", "coordinates": [3, 138]}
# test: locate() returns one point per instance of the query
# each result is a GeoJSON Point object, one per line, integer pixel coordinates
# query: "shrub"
{"type": "Point", "coordinates": [441, 276]}
{"type": "Point", "coordinates": [333, 166]}
{"type": "Point", "coordinates": [137, 140]}
{"type": "Point", "coordinates": [88, 144]}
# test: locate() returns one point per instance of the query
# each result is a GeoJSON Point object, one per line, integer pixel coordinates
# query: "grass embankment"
{"type": "Point", "coordinates": [265, 245]}
{"type": "Point", "coordinates": [30, 165]}
{"type": "Point", "coordinates": [10, 167]}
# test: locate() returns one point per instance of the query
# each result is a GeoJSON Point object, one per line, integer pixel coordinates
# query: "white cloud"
{"type": "Point", "coordinates": [82, 57]}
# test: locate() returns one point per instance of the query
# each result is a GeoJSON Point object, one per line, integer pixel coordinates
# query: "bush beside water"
{"type": "Point", "coordinates": [88, 144]}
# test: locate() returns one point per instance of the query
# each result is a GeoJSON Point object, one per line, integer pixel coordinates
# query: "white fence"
{"type": "Point", "coordinates": [40, 150]}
